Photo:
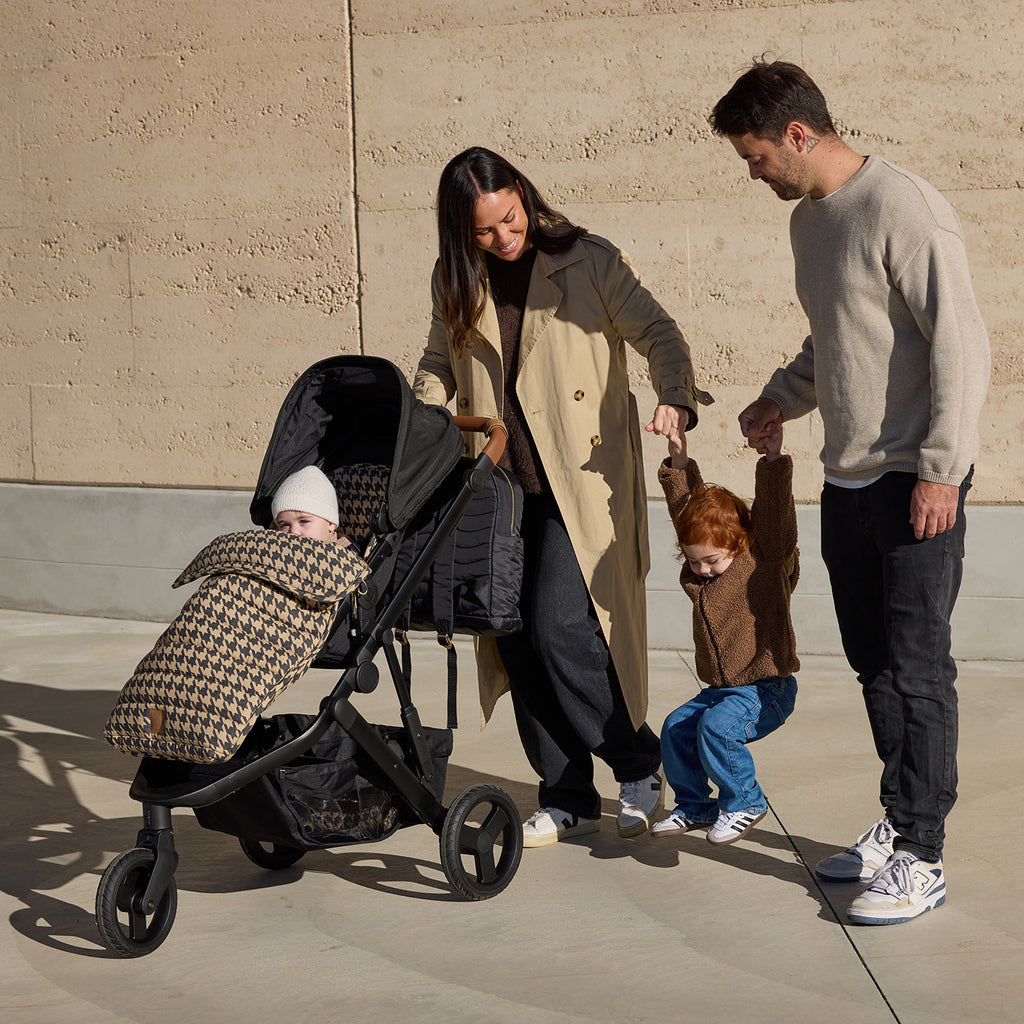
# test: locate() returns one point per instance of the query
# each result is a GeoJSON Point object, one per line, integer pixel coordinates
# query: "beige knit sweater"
{"type": "Point", "coordinates": [897, 361]}
{"type": "Point", "coordinates": [742, 631]}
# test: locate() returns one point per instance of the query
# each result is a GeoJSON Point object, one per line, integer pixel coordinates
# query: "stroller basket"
{"type": "Point", "coordinates": [333, 795]}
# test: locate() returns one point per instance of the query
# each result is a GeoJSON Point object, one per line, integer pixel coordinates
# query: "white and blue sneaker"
{"type": "Point", "coordinates": [860, 862]}
{"type": "Point", "coordinates": [900, 891]}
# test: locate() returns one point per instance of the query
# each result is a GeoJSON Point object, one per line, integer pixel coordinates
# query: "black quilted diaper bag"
{"type": "Point", "coordinates": [474, 583]}
{"type": "Point", "coordinates": [333, 795]}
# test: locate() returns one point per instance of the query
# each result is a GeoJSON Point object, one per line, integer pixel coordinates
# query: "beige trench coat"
{"type": "Point", "coordinates": [582, 306]}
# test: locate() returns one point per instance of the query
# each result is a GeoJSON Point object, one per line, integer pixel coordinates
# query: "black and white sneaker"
{"type": "Point", "coordinates": [733, 825]}
{"type": "Point", "coordinates": [639, 803]}
{"type": "Point", "coordinates": [677, 824]}
{"type": "Point", "coordinates": [549, 825]}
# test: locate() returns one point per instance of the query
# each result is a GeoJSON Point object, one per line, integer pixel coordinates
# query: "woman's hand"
{"type": "Point", "coordinates": [668, 420]}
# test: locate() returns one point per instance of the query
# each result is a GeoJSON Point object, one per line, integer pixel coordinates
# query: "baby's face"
{"type": "Point", "coordinates": [305, 524]}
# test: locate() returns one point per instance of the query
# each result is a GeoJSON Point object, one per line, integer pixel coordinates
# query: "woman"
{"type": "Point", "coordinates": [530, 316]}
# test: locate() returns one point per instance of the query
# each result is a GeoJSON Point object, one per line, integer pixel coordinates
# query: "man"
{"type": "Point", "coordinates": [897, 364]}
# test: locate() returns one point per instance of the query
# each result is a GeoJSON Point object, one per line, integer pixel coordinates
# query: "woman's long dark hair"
{"type": "Point", "coordinates": [472, 173]}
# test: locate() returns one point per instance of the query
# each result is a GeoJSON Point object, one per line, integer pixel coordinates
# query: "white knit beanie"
{"type": "Point", "coordinates": [307, 490]}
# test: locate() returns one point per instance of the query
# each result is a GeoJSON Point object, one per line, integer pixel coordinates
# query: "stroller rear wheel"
{"type": "Point", "coordinates": [481, 842]}
{"type": "Point", "coordinates": [272, 856]}
{"type": "Point", "coordinates": [126, 927]}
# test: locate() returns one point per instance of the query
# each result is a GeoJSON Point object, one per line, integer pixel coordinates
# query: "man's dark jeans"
{"type": "Point", "coordinates": [894, 596]}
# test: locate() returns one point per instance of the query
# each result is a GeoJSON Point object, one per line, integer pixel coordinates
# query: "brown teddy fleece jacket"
{"type": "Point", "coordinates": [742, 631]}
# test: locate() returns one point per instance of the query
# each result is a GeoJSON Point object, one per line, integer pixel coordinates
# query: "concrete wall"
{"type": "Point", "coordinates": [201, 199]}
{"type": "Point", "coordinates": [115, 551]}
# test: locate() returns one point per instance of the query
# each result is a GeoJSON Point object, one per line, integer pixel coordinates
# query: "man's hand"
{"type": "Point", "coordinates": [758, 422]}
{"type": "Point", "coordinates": [933, 508]}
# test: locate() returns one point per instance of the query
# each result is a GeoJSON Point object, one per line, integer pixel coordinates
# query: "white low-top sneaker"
{"type": "Point", "coordinates": [549, 825]}
{"type": "Point", "coordinates": [638, 803]}
{"type": "Point", "coordinates": [676, 824]}
{"type": "Point", "coordinates": [860, 862]}
{"type": "Point", "coordinates": [733, 825]}
{"type": "Point", "coordinates": [906, 887]}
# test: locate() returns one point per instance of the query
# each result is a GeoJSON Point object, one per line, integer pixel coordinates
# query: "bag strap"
{"type": "Point", "coordinates": [401, 636]}
{"type": "Point", "coordinates": [442, 591]}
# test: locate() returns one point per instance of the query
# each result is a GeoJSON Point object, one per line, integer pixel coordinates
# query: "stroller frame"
{"type": "Point", "coordinates": [480, 834]}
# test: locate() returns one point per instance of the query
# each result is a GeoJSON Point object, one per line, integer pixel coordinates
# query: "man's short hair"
{"type": "Point", "coordinates": [768, 97]}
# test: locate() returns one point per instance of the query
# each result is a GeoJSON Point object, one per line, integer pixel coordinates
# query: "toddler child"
{"type": "Point", "coordinates": [306, 504]}
{"type": "Point", "coordinates": [741, 566]}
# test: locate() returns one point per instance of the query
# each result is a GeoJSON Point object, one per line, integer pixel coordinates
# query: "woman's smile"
{"type": "Point", "coordinates": [500, 224]}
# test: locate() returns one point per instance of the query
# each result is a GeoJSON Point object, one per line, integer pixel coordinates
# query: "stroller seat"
{"type": "Point", "coordinates": [361, 487]}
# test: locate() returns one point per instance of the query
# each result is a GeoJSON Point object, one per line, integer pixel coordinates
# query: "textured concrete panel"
{"type": "Point", "coordinates": [740, 320]}
{"type": "Point", "coordinates": [205, 135]}
{"type": "Point", "coordinates": [45, 32]}
{"type": "Point", "coordinates": [999, 474]}
{"type": "Point", "coordinates": [613, 106]}
{"type": "Point", "coordinates": [931, 85]}
{"type": "Point", "coordinates": [209, 197]}
{"type": "Point", "coordinates": [10, 179]}
{"type": "Point", "coordinates": [250, 304]}
{"type": "Point", "coordinates": [15, 432]}
{"type": "Point", "coordinates": [66, 318]}
{"type": "Point", "coordinates": [139, 435]}
{"type": "Point", "coordinates": [993, 236]}
{"type": "Point", "coordinates": [535, 16]}
{"type": "Point", "coordinates": [722, 453]}
{"type": "Point", "coordinates": [398, 254]}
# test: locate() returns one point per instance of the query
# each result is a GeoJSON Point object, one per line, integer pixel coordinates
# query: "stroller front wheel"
{"type": "Point", "coordinates": [272, 856]}
{"type": "Point", "coordinates": [126, 927]}
{"type": "Point", "coordinates": [481, 842]}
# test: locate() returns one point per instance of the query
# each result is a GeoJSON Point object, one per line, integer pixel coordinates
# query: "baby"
{"type": "Point", "coordinates": [306, 505]}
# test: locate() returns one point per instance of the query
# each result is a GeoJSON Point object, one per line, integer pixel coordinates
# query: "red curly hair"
{"type": "Point", "coordinates": [715, 517]}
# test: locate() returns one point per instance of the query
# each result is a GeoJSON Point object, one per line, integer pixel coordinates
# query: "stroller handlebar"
{"type": "Point", "coordinates": [495, 429]}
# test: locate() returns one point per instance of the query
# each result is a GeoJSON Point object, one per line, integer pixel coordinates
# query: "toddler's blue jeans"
{"type": "Point", "coordinates": [705, 741]}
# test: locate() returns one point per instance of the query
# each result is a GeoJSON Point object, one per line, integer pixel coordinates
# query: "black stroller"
{"type": "Point", "coordinates": [304, 782]}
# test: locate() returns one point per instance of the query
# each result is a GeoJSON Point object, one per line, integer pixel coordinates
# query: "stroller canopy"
{"type": "Point", "coordinates": [360, 409]}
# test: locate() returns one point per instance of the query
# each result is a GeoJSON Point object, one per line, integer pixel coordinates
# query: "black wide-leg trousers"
{"type": "Point", "coordinates": [566, 694]}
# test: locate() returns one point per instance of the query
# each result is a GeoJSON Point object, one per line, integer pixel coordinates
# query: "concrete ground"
{"type": "Point", "coordinates": [598, 929]}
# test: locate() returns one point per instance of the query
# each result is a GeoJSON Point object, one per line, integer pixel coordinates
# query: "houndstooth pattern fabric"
{"type": "Point", "coordinates": [314, 569]}
{"type": "Point", "coordinates": [361, 488]}
{"type": "Point", "coordinates": [250, 630]}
